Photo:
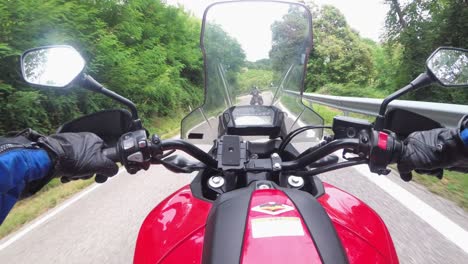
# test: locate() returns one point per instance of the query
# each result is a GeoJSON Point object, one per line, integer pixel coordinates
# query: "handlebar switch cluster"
{"type": "Point", "coordinates": [349, 127]}
{"type": "Point", "coordinates": [385, 149]}
{"type": "Point", "coordinates": [134, 151]}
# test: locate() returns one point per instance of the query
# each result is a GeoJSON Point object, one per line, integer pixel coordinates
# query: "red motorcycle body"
{"type": "Point", "coordinates": [174, 231]}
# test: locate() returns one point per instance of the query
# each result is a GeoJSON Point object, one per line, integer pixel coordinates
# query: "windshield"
{"type": "Point", "coordinates": [255, 54]}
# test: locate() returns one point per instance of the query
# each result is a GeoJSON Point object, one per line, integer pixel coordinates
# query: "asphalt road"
{"type": "Point", "coordinates": [102, 227]}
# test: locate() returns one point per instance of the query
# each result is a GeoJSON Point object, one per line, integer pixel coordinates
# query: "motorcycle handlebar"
{"type": "Point", "coordinates": [388, 156]}
{"type": "Point", "coordinates": [111, 153]}
{"type": "Point", "coordinates": [190, 149]}
{"type": "Point", "coordinates": [327, 149]}
{"type": "Point", "coordinates": [171, 144]}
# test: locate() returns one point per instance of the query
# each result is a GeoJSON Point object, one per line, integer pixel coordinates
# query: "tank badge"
{"type": "Point", "coordinates": [272, 208]}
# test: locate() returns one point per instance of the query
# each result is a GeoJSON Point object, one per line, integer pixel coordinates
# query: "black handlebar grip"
{"type": "Point", "coordinates": [406, 176]}
{"type": "Point", "coordinates": [111, 153]}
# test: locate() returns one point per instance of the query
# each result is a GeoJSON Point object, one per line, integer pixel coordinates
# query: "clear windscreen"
{"type": "Point", "coordinates": [255, 55]}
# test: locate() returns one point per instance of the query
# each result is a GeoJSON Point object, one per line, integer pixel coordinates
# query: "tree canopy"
{"type": "Point", "coordinates": [149, 52]}
{"type": "Point", "coordinates": [143, 49]}
{"type": "Point", "coordinates": [344, 63]}
{"type": "Point", "coordinates": [339, 56]}
{"type": "Point", "coordinates": [415, 29]}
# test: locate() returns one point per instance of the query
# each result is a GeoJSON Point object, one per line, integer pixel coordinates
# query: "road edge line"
{"type": "Point", "coordinates": [48, 215]}
{"type": "Point", "coordinates": [449, 229]}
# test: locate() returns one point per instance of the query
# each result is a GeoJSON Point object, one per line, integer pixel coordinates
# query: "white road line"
{"type": "Point", "coordinates": [438, 221]}
{"type": "Point", "coordinates": [52, 213]}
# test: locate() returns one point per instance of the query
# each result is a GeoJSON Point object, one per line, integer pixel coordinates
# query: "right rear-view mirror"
{"type": "Point", "coordinates": [449, 66]}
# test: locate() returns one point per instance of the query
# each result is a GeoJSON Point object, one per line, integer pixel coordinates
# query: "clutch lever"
{"type": "Point", "coordinates": [350, 151]}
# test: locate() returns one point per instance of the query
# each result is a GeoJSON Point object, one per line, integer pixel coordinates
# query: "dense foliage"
{"type": "Point", "coordinates": [224, 60]}
{"type": "Point", "coordinates": [148, 52]}
{"type": "Point", "coordinates": [415, 29]}
{"type": "Point", "coordinates": [251, 77]}
{"type": "Point", "coordinates": [143, 49]}
{"type": "Point", "coordinates": [343, 63]}
{"type": "Point", "coordinates": [340, 56]}
{"type": "Point", "coordinates": [290, 37]}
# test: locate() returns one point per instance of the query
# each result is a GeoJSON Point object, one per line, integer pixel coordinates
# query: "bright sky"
{"type": "Point", "coordinates": [253, 31]}
{"type": "Point", "coordinates": [366, 16]}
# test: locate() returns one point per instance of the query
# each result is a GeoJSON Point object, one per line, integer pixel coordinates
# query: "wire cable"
{"type": "Point", "coordinates": [328, 168]}
{"type": "Point", "coordinates": [294, 133]}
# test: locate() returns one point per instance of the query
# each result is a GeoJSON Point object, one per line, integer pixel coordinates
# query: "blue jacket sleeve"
{"type": "Point", "coordinates": [464, 136]}
{"type": "Point", "coordinates": [17, 168]}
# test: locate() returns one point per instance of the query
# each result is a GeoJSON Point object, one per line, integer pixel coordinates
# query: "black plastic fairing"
{"type": "Point", "coordinates": [320, 227]}
{"type": "Point", "coordinates": [107, 124]}
{"type": "Point", "coordinates": [227, 220]}
{"type": "Point", "coordinates": [272, 128]}
{"type": "Point", "coordinates": [225, 227]}
{"type": "Point", "coordinates": [349, 127]}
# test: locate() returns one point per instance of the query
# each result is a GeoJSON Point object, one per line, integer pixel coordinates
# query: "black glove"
{"type": "Point", "coordinates": [78, 156]}
{"type": "Point", "coordinates": [432, 151]}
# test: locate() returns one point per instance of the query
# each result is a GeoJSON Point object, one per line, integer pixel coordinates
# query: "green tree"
{"type": "Point", "coordinates": [224, 60]}
{"type": "Point", "coordinates": [290, 39]}
{"type": "Point", "coordinates": [144, 49]}
{"type": "Point", "coordinates": [339, 56]}
{"type": "Point", "coordinates": [419, 27]}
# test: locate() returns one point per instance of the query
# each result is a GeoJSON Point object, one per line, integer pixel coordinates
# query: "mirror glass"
{"type": "Point", "coordinates": [450, 66]}
{"type": "Point", "coordinates": [52, 66]}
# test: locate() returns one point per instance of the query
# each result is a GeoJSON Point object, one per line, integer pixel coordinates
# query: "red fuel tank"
{"type": "Point", "coordinates": [174, 230]}
{"type": "Point", "coordinates": [362, 232]}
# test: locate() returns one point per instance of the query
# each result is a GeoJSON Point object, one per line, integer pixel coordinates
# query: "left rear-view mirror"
{"type": "Point", "coordinates": [51, 66]}
{"type": "Point", "coordinates": [449, 66]}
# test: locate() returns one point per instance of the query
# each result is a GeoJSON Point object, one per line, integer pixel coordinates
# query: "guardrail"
{"type": "Point", "coordinates": [446, 114]}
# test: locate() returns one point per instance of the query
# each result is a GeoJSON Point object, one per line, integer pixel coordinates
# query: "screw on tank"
{"type": "Point", "coordinates": [216, 182]}
{"type": "Point", "coordinates": [296, 182]}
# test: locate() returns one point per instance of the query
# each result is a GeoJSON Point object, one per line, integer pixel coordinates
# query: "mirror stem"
{"type": "Point", "coordinates": [422, 80]}
{"type": "Point", "coordinates": [91, 84]}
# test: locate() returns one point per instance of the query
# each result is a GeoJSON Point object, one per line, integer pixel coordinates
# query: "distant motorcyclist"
{"type": "Point", "coordinates": [255, 91]}
{"type": "Point", "coordinates": [28, 161]}
{"type": "Point", "coordinates": [256, 97]}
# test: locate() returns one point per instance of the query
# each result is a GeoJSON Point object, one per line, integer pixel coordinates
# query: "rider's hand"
{"type": "Point", "coordinates": [433, 150]}
{"type": "Point", "coordinates": [78, 155]}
